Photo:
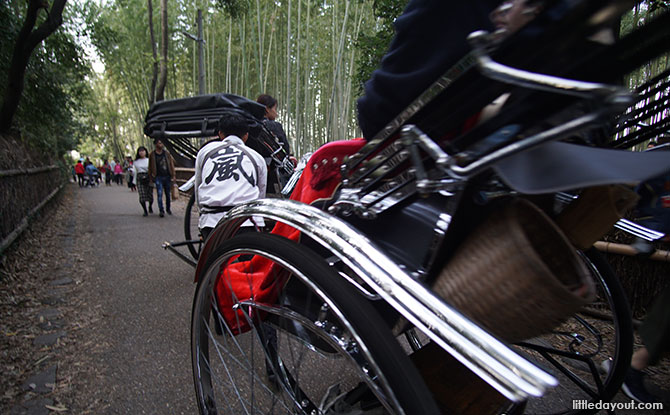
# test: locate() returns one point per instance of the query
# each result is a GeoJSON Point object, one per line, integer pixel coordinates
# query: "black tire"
{"type": "Point", "coordinates": [558, 351]}
{"type": "Point", "coordinates": [324, 332]}
{"type": "Point", "coordinates": [191, 227]}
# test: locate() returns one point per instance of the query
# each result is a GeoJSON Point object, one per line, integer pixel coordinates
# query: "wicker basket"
{"type": "Point", "coordinates": [594, 213]}
{"type": "Point", "coordinates": [517, 275]}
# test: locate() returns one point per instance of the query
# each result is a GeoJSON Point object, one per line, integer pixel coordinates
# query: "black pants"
{"type": "Point", "coordinates": [655, 330]}
{"type": "Point", "coordinates": [207, 230]}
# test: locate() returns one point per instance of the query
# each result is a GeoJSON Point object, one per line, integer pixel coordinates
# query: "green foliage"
{"type": "Point", "coordinates": [119, 31]}
{"type": "Point", "coordinates": [234, 8]}
{"type": "Point", "coordinates": [641, 14]}
{"type": "Point", "coordinates": [300, 51]}
{"type": "Point", "coordinates": [658, 4]}
{"type": "Point", "coordinates": [55, 87]}
{"type": "Point", "coordinates": [373, 43]}
{"type": "Point", "coordinates": [312, 55]}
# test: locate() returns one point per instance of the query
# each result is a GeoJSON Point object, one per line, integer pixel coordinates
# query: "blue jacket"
{"type": "Point", "coordinates": [430, 38]}
{"type": "Point", "coordinates": [91, 169]}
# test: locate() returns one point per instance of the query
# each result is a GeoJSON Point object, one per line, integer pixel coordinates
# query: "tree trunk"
{"type": "Point", "coordinates": [26, 42]}
{"type": "Point", "coordinates": [154, 76]}
{"type": "Point", "coordinates": [160, 92]}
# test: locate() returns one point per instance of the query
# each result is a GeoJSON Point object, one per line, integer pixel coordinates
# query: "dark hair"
{"type": "Point", "coordinates": [233, 124]}
{"type": "Point", "coordinates": [156, 140]}
{"type": "Point", "coordinates": [266, 100]}
{"type": "Point", "coordinates": [146, 152]}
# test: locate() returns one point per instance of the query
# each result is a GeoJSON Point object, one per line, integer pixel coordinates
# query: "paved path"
{"type": "Point", "coordinates": [145, 296]}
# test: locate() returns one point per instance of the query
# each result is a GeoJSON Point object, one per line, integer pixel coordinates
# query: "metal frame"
{"type": "Point", "coordinates": [489, 358]}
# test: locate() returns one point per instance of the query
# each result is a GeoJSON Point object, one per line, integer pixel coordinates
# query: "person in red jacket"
{"type": "Point", "coordinates": [79, 171]}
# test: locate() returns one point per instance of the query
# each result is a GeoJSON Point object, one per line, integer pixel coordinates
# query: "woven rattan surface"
{"type": "Point", "coordinates": [517, 275]}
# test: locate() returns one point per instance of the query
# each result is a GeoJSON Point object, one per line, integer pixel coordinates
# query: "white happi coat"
{"type": "Point", "coordinates": [227, 173]}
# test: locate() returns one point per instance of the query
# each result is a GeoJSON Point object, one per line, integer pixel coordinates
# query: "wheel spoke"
{"type": "Point", "coordinates": [211, 373]}
{"type": "Point", "coordinates": [298, 358]}
{"type": "Point", "coordinates": [295, 393]}
{"type": "Point", "coordinates": [223, 361]}
{"type": "Point", "coordinates": [239, 363]}
{"type": "Point", "coordinates": [249, 366]}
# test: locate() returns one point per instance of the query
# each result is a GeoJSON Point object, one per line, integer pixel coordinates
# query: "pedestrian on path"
{"type": "Point", "coordinates": [93, 174]}
{"type": "Point", "coordinates": [118, 172]}
{"type": "Point", "coordinates": [162, 173]}
{"type": "Point", "coordinates": [128, 167]}
{"type": "Point", "coordinates": [140, 170]}
{"type": "Point", "coordinates": [107, 171]}
{"type": "Point", "coordinates": [79, 170]}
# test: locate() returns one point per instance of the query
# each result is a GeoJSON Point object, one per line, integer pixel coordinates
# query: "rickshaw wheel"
{"type": "Point", "coordinates": [320, 348]}
{"type": "Point", "coordinates": [577, 349]}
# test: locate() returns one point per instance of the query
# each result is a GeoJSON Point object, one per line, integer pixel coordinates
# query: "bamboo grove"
{"type": "Point", "coordinates": [650, 81]}
{"type": "Point", "coordinates": [312, 55]}
{"type": "Point", "coordinates": [306, 53]}
{"type": "Point", "coordinates": [303, 52]}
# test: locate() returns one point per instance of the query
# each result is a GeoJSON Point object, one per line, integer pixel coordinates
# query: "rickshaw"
{"type": "Point", "coordinates": [435, 268]}
{"type": "Point", "coordinates": [184, 124]}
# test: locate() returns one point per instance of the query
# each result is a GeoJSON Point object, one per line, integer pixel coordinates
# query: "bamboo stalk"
{"type": "Point", "coordinates": [308, 106]}
{"type": "Point", "coordinates": [287, 99]}
{"type": "Point", "coordinates": [259, 48]}
{"type": "Point", "coordinates": [229, 56]}
{"type": "Point", "coordinates": [621, 249]}
{"type": "Point", "coordinates": [297, 108]}
{"type": "Point", "coordinates": [267, 59]}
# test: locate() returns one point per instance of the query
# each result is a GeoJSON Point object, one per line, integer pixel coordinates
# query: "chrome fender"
{"type": "Point", "coordinates": [486, 356]}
